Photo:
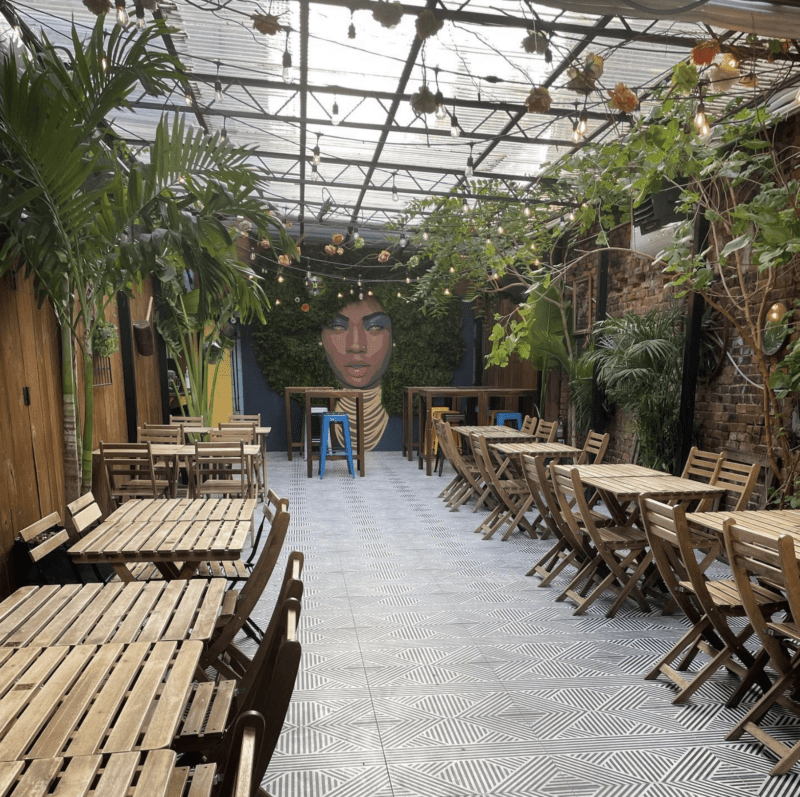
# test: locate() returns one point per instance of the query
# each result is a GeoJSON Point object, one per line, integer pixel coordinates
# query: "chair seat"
{"type": "Point", "coordinates": [622, 537]}
{"type": "Point", "coordinates": [726, 597]}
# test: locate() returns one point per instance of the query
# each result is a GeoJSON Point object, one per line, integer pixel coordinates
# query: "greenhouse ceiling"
{"type": "Point", "coordinates": [329, 81]}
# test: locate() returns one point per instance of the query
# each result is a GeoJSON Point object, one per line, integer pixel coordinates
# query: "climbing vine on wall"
{"type": "Point", "coordinates": [288, 346]}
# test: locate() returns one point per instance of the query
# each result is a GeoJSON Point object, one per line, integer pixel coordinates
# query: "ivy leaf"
{"type": "Point", "coordinates": [736, 244]}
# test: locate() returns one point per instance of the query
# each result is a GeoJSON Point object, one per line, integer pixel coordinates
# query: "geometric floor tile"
{"type": "Point", "coordinates": [433, 667]}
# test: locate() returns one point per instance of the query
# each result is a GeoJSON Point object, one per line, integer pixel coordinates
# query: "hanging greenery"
{"type": "Point", "coordinates": [288, 347]}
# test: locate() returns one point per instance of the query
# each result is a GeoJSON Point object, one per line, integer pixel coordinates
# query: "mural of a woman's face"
{"type": "Point", "coordinates": [358, 343]}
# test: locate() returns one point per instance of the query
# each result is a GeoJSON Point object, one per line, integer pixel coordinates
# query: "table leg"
{"type": "Point", "coordinates": [289, 440]}
{"type": "Point", "coordinates": [360, 425]}
{"type": "Point", "coordinates": [309, 446]}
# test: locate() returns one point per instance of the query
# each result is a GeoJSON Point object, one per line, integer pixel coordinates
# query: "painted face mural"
{"type": "Point", "coordinates": [358, 343]}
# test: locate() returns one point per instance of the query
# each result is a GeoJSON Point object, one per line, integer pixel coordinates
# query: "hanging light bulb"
{"type": "Point", "coordinates": [447, 291]}
{"type": "Point", "coordinates": [351, 31]}
{"type": "Point", "coordinates": [488, 240]}
{"type": "Point", "coordinates": [465, 205]}
{"type": "Point", "coordinates": [452, 269]}
{"type": "Point", "coordinates": [287, 62]}
{"type": "Point", "coordinates": [395, 195]}
{"type": "Point", "coordinates": [501, 230]}
{"type": "Point", "coordinates": [122, 14]}
{"type": "Point", "coordinates": [277, 301]}
{"type": "Point", "coordinates": [470, 170]}
{"type": "Point", "coordinates": [701, 120]}
{"type": "Point", "coordinates": [314, 172]}
{"type": "Point", "coordinates": [576, 133]}
{"type": "Point", "coordinates": [218, 86]}
{"type": "Point", "coordinates": [335, 113]}
{"type": "Point", "coordinates": [441, 111]}
{"type": "Point", "coordinates": [425, 234]}
{"type": "Point", "coordinates": [455, 130]}
{"type": "Point", "coordinates": [104, 62]}
{"type": "Point", "coordinates": [140, 21]}
{"type": "Point", "coordinates": [527, 210]}
{"type": "Point", "coordinates": [571, 216]}
{"type": "Point", "coordinates": [317, 157]}
{"type": "Point", "coordinates": [408, 280]}
{"type": "Point", "coordinates": [360, 284]}
{"type": "Point", "coordinates": [187, 98]}
{"type": "Point", "coordinates": [583, 123]}
{"type": "Point", "coordinates": [252, 253]}
{"type": "Point", "coordinates": [533, 246]}
{"type": "Point", "coordinates": [356, 233]}
{"type": "Point", "coordinates": [340, 295]}
{"type": "Point", "coordinates": [399, 295]}
{"type": "Point", "coordinates": [403, 239]}
{"type": "Point", "coordinates": [223, 134]}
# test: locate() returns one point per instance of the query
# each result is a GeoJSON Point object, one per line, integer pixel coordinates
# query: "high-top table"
{"type": "Point", "coordinates": [481, 395]}
{"type": "Point", "coordinates": [140, 611]}
{"type": "Point", "coordinates": [174, 534]}
{"type": "Point", "coordinates": [331, 395]}
{"type": "Point", "coordinates": [291, 443]}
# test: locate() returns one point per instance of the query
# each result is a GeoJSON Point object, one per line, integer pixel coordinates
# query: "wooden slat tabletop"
{"type": "Point", "coordinates": [617, 470]}
{"type": "Point", "coordinates": [144, 611]}
{"type": "Point", "coordinates": [536, 449]}
{"type": "Point", "coordinates": [492, 431]}
{"type": "Point", "coordinates": [173, 530]}
{"type": "Point", "coordinates": [92, 699]}
{"type": "Point", "coordinates": [772, 522]}
{"type": "Point", "coordinates": [153, 774]}
{"type": "Point", "coordinates": [629, 488]}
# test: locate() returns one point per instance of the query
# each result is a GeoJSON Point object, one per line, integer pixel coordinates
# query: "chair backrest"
{"type": "Point", "coordinates": [569, 491]}
{"type": "Point", "coordinates": [662, 525]}
{"type": "Point", "coordinates": [273, 505]}
{"type": "Point", "coordinates": [702, 466]}
{"type": "Point", "coordinates": [44, 536]}
{"type": "Point", "coordinates": [161, 435]}
{"type": "Point", "coordinates": [242, 756]}
{"type": "Point", "coordinates": [246, 432]}
{"type": "Point", "coordinates": [238, 416]}
{"type": "Point", "coordinates": [594, 449]}
{"type": "Point", "coordinates": [755, 556]}
{"type": "Point", "coordinates": [529, 424]}
{"type": "Point", "coordinates": [187, 420]}
{"type": "Point", "coordinates": [739, 481]}
{"type": "Point", "coordinates": [535, 474]}
{"type": "Point", "coordinates": [81, 515]}
{"type": "Point", "coordinates": [123, 462]}
{"type": "Point", "coordinates": [254, 587]}
{"type": "Point", "coordinates": [220, 467]}
{"type": "Point", "coordinates": [546, 431]}
{"type": "Point", "coordinates": [445, 433]}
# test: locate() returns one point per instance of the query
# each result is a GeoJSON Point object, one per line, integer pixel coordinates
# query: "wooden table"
{"type": "Point", "coordinates": [174, 534]}
{"type": "Point", "coordinates": [292, 444]}
{"type": "Point", "coordinates": [619, 490]}
{"type": "Point", "coordinates": [536, 449]}
{"type": "Point", "coordinates": [140, 611]}
{"type": "Point", "coordinates": [331, 395]}
{"type": "Point", "coordinates": [773, 523]}
{"type": "Point", "coordinates": [481, 395]}
{"type": "Point", "coordinates": [93, 699]}
{"type": "Point", "coordinates": [151, 774]}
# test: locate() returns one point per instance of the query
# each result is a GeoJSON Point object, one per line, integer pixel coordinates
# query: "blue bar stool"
{"type": "Point", "coordinates": [502, 417]}
{"type": "Point", "coordinates": [327, 419]}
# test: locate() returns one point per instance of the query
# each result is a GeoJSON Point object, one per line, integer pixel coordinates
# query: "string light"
{"type": "Point", "coordinates": [314, 172]}
{"type": "Point", "coordinates": [470, 170]}
{"type": "Point", "coordinates": [340, 295]}
{"type": "Point", "coordinates": [425, 234]}
{"type": "Point", "coordinates": [455, 130]}
{"type": "Point", "coordinates": [253, 252]}
{"type": "Point", "coordinates": [533, 246]}
{"type": "Point", "coordinates": [277, 301]}
{"type": "Point", "coordinates": [438, 99]}
{"type": "Point", "coordinates": [465, 205]}
{"type": "Point", "coordinates": [351, 31]}
{"type": "Point", "coordinates": [317, 157]}
{"type": "Point", "coordinates": [452, 269]}
{"type": "Point", "coordinates": [701, 120]}
{"type": "Point", "coordinates": [395, 195]}
{"type": "Point", "coordinates": [218, 86]}
{"type": "Point", "coordinates": [583, 123]}
{"type": "Point", "coordinates": [335, 112]}
{"type": "Point", "coordinates": [356, 233]}
{"type": "Point", "coordinates": [408, 280]}
{"type": "Point", "coordinates": [187, 98]}
{"type": "Point", "coordinates": [140, 21]}
{"type": "Point", "coordinates": [501, 230]}
{"type": "Point", "coordinates": [287, 62]}
{"type": "Point", "coordinates": [223, 134]}
{"type": "Point", "coordinates": [527, 210]}
{"type": "Point", "coordinates": [403, 239]}
{"type": "Point", "coordinates": [447, 291]}
{"type": "Point", "coordinates": [122, 14]}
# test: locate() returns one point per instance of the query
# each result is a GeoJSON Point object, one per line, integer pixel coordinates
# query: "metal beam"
{"type": "Point", "coordinates": [303, 107]}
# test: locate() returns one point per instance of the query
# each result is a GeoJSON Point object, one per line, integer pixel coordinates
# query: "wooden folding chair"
{"type": "Point", "coordinates": [45, 539]}
{"type": "Point", "coordinates": [246, 432]}
{"type": "Point", "coordinates": [458, 482]}
{"type": "Point", "coordinates": [739, 481]}
{"type": "Point", "coordinates": [675, 551]}
{"type": "Point", "coordinates": [623, 549]}
{"type": "Point", "coordinates": [568, 550]}
{"type": "Point", "coordinates": [702, 466]}
{"type": "Point", "coordinates": [187, 420]}
{"type": "Point", "coordinates": [546, 431]}
{"type": "Point", "coordinates": [529, 424]}
{"type": "Point", "coordinates": [166, 435]}
{"type": "Point", "coordinates": [242, 417]}
{"type": "Point", "coordinates": [221, 468]}
{"type": "Point", "coordinates": [758, 558]}
{"type": "Point", "coordinates": [512, 494]}
{"type": "Point", "coordinates": [129, 472]}
{"type": "Point", "coordinates": [240, 771]}
{"type": "Point", "coordinates": [594, 449]}
{"type": "Point", "coordinates": [464, 464]}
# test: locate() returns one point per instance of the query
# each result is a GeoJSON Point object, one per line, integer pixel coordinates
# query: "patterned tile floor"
{"type": "Point", "coordinates": [432, 667]}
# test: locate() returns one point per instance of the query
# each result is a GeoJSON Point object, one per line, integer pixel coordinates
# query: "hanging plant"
{"type": "Point", "coordinates": [582, 79]}
{"type": "Point", "coordinates": [428, 24]}
{"type": "Point", "coordinates": [538, 101]}
{"type": "Point", "coordinates": [388, 14]}
{"type": "Point", "coordinates": [105, 339]}
{"type": "Point", "coordinates": [423, 101]}
{"type": "Point", "coordinates": [703, 54]}
{"type": "Point", "coordinates": [98, 7]}
{"type": "Point", "coordinates": [266, 23]}
{"type": "Point", "coordinates": [535, 42]}
{"type": "Point", "coordinates": [623, 99]}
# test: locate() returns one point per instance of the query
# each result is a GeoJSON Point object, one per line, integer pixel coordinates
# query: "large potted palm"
{"type": "Point", "coordinates": [85, 218]}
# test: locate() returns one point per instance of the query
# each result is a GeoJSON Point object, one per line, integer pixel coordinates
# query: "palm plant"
{"type": "Point", "coordinates": [73, 201]}
{"type": "Point", "coordinates": [639, 363]}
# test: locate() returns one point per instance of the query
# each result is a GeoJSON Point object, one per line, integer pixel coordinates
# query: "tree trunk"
{"type": "Point", "coordinates": [72, 483]}
{"type": "Point", "coordinates": [88, 420]}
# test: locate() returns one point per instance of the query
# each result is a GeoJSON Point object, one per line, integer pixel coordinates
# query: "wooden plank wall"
{"type": "Point", "coordinates": [31, 436]}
